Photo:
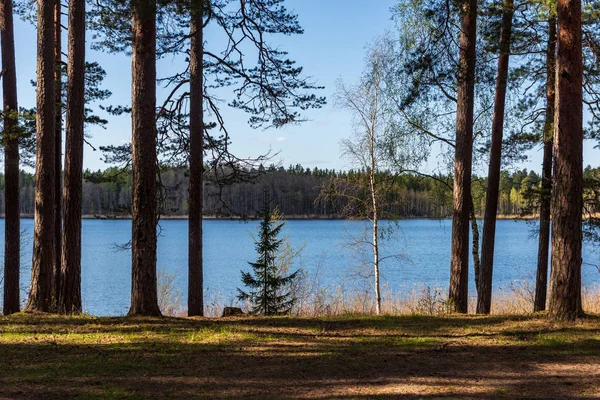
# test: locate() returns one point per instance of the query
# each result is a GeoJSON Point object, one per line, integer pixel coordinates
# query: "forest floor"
{"type": "Point", "coordinates": [350, 357]}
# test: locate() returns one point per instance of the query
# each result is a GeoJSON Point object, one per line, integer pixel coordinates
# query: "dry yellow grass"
{"type": "Point", "coordinates": [517, 299]}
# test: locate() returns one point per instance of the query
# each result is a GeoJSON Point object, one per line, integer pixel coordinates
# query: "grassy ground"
{"type": "Point", "coordinates": [343, 357]}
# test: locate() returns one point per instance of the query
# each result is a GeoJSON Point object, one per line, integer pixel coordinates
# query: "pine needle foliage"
{"type": "Point", "coordinates": [268, 290]}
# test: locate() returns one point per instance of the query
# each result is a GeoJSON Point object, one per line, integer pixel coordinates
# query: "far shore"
{"type": "Point", "coordinates": [287, 217]}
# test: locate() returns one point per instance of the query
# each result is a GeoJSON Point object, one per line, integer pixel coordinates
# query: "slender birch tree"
{"type": "Point", "coordinates": [367, 196]}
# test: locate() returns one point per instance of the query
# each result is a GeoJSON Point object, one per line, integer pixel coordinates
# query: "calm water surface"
{"type": "Point", "coordinates": [424, 246]}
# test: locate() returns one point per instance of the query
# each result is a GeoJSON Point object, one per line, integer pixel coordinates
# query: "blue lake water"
{"type": "Point", "coordinates": [424, 246]}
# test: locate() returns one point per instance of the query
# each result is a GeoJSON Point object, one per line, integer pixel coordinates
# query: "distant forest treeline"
{"type": "Point", "coordinates": [295, 190]}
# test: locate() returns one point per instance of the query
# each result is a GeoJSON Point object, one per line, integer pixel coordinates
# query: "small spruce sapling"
{"type": "Point", "coordinates": [267, 289]}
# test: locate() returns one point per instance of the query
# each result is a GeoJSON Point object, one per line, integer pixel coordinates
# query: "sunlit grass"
{"type": "Point", "coordinates": [285, 357]}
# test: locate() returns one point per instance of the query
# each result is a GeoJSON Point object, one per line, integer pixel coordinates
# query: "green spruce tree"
{"type": "Point", "coordinates": [268, 289]}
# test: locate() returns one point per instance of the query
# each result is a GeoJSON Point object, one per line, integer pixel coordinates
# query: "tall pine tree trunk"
{"type": "Point", "coordinates": [196, 185]}
{"type": "Point", "coordinates": [70, 282]}
{"type": "Point", "coordinates": [12, 227]}
{"type": "Point", "coordinates": [475, 242]}
{"type": "Point", "coordinates": [43, 235]}
{"type": "Point", "coordinates": [484, 289]}
{"type": "Point", "coordinates": [541, 281]}
{"type": "Point", "coordinates": [144, 298]}
{"type": "Point", "coordinates": [459, 269]}
{"type": "Point", "coordinates": [567, 190]}
{"type": "Point", "coordinates": [57, 149]}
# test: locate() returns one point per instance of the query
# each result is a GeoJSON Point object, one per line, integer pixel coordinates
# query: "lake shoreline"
{"type": "Point", "coordinates": [418, 253]}
{"type": "Point", "coordinates": [286, 217]}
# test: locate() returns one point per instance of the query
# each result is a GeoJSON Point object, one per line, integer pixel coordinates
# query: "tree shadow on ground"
{"type": "Point", "coordinates": [345, 358]}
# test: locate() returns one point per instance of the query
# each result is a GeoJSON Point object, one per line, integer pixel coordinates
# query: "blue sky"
{"type": "Point", "coordinates": [332, 47]}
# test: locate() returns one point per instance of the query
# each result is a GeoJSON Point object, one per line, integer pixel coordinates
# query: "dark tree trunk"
{"type": "Point", "coordinates": [567, 190]}
{"type": "Point", "coordinates": [459, 269]}
{"type": "Point", "coordinates": [12, 227]}
{"type": "Point", "coordinates": [196, 185]}
{"type": "Point", "coordinates": [43, 235]}
{"type": "Point", "coordinates": [144, 298]}
{"type": "Point", "coordinates": [57, 149]}
{"type": "Point", "coordinates": [484, 285]}
{"type": "Point", "coordinates": [70, 282]}
{"type": "Point", "coordinates": [475, 242]}
{"type": "Point", "coordinates": [541, 281]}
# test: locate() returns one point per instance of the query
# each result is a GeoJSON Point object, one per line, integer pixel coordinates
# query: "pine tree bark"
{"type": "Point", "coordinates": [196, 183]}
{"type": "Point", "coordinates": [144, 298]}
{"type": "Point", "coordinates": [475, 242]}
{"type": "Point", "coordinates": [541, 281]}
{"type": "Point", "coordinates": [567, 195]}
{"type": "Point", "coordinates": [43, 235]}
{"type": "Point", "coordinates": [12, 227]}
{"type": "Point", "coordinates": [57, 149]}
{"type": "Point", "coordinates": [70, 275]}
{"type": "Point", "coordinates": [463, 158]}
{"type": "Point", "coordinates": [484, 284]}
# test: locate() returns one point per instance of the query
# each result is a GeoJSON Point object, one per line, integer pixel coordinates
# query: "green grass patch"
{"type": "Point", "coordinates": [84, 357]}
